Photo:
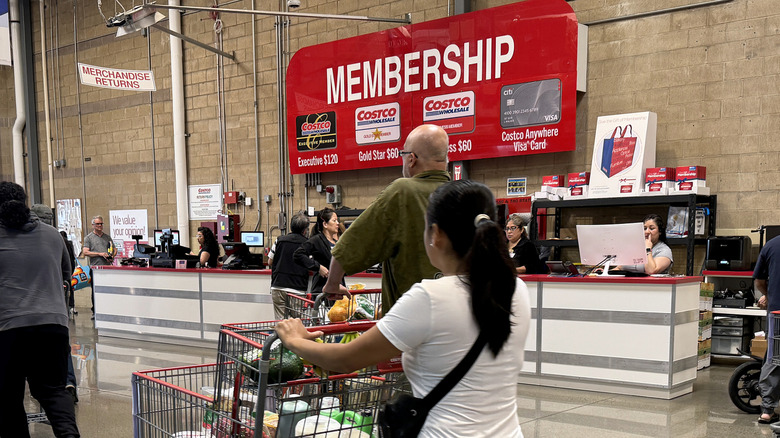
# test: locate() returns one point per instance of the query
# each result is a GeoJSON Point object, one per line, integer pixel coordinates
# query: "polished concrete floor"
{"type": "Point", "coordinates": [104, 366]}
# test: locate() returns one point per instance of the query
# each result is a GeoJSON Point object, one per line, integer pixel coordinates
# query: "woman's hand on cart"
{"type": "Point", "coordinates": [290, 330]}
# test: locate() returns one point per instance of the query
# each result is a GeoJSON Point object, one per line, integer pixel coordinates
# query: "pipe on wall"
{"type": "Point", "coordinates": [19, 87]}
{"type": "Point", "coordinates": [257, 118]}
{"type": "Point", "coordinates": [45, 74]}
{"type": "Point", "coordinates": [179, 140]}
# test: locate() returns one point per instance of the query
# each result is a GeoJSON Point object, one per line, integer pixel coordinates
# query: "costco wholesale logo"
{"type": "Point", "coordinates": [316, 132]}
{"type": "Point", "coordinates": [378, 123]}
{"type": "Point", "coordinates": [453, 112]}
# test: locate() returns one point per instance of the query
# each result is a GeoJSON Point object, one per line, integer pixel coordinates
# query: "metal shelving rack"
{"type": "Point", "coordinates": [685, 200]}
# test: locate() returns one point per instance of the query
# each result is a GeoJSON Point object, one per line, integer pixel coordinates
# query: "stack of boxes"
{"type": "Point", "coordinates": [578, 185]}
{"type": "Point", "coordinates": [705, 325]}
{"type": "Point", "coordinates": [659, 181]}
{"type": "Point", "coordinates": [691, 179]}
{"type": "Point", "coordinates": [553, 188]}
{"type": "Point", "coordinates": [676, 180]}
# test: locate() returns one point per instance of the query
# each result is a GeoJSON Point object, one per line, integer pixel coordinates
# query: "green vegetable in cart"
{"type": "Point", "coordinates": [284, 364]}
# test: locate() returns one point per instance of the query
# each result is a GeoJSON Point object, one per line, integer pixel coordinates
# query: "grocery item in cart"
{"type": "Point", "coordinates": [317, 425]}
{"type": "Point", "coordinates": [284, 364]}
{"type": "Point", "coordinates": [363, 308]}
{"type": "Point", "coordinates": [340, 310]}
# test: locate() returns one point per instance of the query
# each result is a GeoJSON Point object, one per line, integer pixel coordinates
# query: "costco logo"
{"type": "Point", "coordinates": [378, 123]}
{"type": "Point", "coordinates": [315, 128]}
{"type": "Point", "coordinates": [453, 112]}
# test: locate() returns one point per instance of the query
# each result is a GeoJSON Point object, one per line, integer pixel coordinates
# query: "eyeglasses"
{"type": "Point", "coordinates": [511, 228]}
{"type": "Point", "coordinates": [97, 223]}
{"type": "Point", "coordinates": [402, 153]}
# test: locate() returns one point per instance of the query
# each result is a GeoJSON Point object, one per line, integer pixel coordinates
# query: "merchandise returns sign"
{"type": "Point", "coordinates": [501, 82]}
{"type": "Point", "coordinates": [133, 80]}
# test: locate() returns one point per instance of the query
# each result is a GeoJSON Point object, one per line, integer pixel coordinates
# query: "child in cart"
{"type": "Point", "coordinates": [436, 322]}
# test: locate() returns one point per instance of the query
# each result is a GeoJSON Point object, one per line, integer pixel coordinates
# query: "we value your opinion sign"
{"type": "Point", "coordinates": [500, 81]}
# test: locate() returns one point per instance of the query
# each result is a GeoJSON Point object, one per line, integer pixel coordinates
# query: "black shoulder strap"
{"type": "Point", "coordinates": [453, 377]}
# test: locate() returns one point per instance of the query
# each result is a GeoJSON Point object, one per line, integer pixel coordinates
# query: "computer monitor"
{"type": "Point", "coordinates": [612, 244]}
{"type": "Point", "coordinates": [253, 239]}
{"type": "Point", "coordinates": [159, 233]}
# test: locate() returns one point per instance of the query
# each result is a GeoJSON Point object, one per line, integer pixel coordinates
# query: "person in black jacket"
{"type": "Point", "coordinates": [286, 275]}
{"type": "Point", "coordinates": [314, 254]}
{"type": "Point", "coordinates": [208, 257]}
{"type": "Point", "coordinates": [522, 251]}
{"type": "Point", "coordinates": [72, 254]}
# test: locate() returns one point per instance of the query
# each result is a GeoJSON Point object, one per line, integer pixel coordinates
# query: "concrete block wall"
{"type": "Point", "coordinates": [712, 74]}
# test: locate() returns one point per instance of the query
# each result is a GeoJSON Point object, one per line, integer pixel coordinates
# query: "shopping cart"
{"type": "Point", "coordinates": [175, 402]}
{"type": "Point", "coordinates": [774, 326]}
{"type": "Point", "coordinates": [301, 306]}
{"type": "Point", "coordinates": [255, 381]}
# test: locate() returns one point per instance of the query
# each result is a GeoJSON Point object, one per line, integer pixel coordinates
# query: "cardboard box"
{"type": "Point", "coordinates": [553, 181]}
{"type": "Point", "coordinates": [688, 177]}
{"type": "Point", "coordinates": [705, 345]}
{"type": "Point", "coordinates": [758, 346]}
{"type": "Point", "coordinates": [703, 362]}
{"type": "Point", "coordinates": [706, 289]}
{"type": "Point", "coordinates": [659, 180]}
{"type": "Point", "coordinates": [705, 332]}
{"type": "Point", "coordinates": [578, 185]}
{"type": "Point", "coordinates": [705, 325]}
{"type": "Point", "coordinates": [705, 304]}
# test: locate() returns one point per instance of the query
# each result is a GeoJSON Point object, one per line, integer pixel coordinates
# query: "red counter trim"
{"type": "Point", "coordinates": [630, 280]}
{"type": "Point", "coordinates": [728, 274]}
{"type": "Point", "coordinates": [214, 271]}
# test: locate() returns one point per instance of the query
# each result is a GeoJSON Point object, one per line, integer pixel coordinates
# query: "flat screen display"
{"type": "Point", "coordinates": [625, 242]}
{"type": "Point", "coordinates": [254, 239]}
{"type": "Point", "coordinates": [159, 233]}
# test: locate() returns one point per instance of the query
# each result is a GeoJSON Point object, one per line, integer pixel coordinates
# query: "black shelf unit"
{"type": "Point", "coordinates": [685, 200]}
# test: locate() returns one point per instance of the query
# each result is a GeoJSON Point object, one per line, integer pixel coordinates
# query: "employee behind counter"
{"type": "Point", "coordinates": [659, 255]}
{"type": "Point", "coordinates": [521, 250]}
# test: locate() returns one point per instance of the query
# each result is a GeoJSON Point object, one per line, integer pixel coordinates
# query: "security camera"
{"type": "Point", "coordinates": [293, 4]}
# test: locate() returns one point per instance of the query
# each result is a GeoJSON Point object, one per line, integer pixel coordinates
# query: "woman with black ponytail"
{"type": "Point", "coordinates": [436, 322]}
{"type": "Point", "coordinates": [34, 265]}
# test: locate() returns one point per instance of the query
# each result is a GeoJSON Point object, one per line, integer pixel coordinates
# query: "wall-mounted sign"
{"type": "Point", "coordinates": [624, 148]}
{"type": "Point", "coordinates": [516, 186]}
{"type": "Point", "coordinates": [69, 221]}
{"type": "Point", "coordinates": [500, 81]}
{"type": "Point", "coordinates": [132, 80]}
{"type": "Point", "coordinates": [205, 201]}
{"type": "Point", "coordinates": [123, 225]}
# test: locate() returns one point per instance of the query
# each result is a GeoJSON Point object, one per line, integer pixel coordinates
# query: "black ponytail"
{"type": "Point", "coordinates": [481, 245]}
{"type": "Point", "coordinates": [13, 207]}
{"type": "Point", "coordinates": [323, 216]}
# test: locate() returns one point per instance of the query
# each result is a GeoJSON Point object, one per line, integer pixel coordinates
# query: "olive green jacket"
{"type": "Point", "coordinates": [390, 231]}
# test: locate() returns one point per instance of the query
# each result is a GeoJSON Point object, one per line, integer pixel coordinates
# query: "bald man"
{"type": "Point", "coordinates": [390, 231]}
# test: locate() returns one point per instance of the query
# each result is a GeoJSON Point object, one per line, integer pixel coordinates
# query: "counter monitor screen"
{"type": "Point", "coordinates": [253, 239]}
{"type": "Point", "coordinates": [626, 242]}
{"type": "Point", "coordinates": [159, 233]}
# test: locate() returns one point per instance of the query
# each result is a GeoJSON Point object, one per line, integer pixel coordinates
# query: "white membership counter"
{"type": "Point", "coordinates": [183, 306]}
{"type": "Point", "coordinates": [625, 335]}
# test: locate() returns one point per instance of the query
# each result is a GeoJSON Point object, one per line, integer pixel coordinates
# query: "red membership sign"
{"type": "Point", "coordinates": [501, 82]}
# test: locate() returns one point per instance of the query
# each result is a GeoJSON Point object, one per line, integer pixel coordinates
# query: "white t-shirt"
{"type": "Point", "coordinates": [433, 326]}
